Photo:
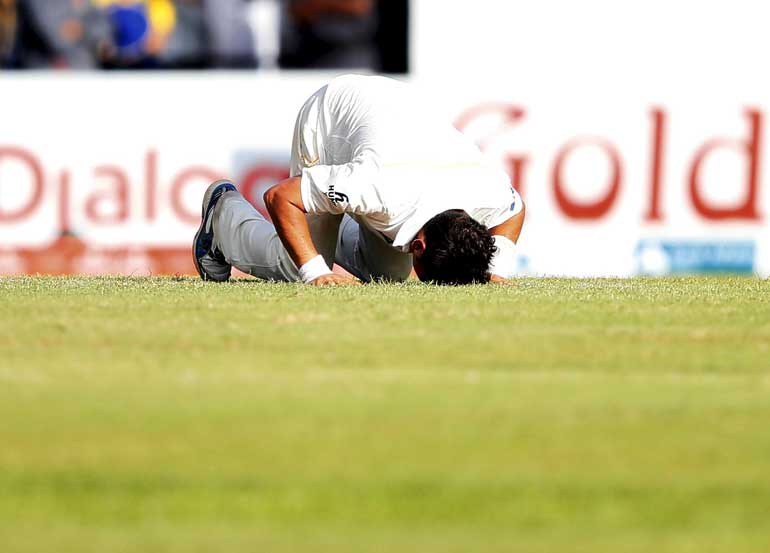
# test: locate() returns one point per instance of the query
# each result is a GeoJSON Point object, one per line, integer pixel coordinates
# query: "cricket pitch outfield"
{"type": "Point", "coordinates": [171, 415]}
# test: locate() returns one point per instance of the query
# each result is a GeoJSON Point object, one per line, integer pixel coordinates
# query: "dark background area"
{"type": "Point", "coordinates": [204, 34]}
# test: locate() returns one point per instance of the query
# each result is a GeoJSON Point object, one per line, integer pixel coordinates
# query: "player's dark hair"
{"type": "Point", "coordinates": [458, 249]}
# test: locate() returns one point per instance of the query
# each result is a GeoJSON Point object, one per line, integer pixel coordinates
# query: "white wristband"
{"type": "Point", "coordinates": [313, 269]}
{"type": "Point", "coordinates": [504, 263]}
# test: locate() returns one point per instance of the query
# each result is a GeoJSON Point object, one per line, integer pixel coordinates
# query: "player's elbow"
{"type": "Point", "coordinates": [286, 193]}
{"type": "Point", "coordinates": [274, 198]}
{"type": "Point", "coordinates": [271, 197]}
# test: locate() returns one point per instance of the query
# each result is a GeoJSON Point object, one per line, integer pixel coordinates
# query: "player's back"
{"type": "Point", "coordinates": [397, 163]}
{"type": "Point", "coordinates": [398, 125]}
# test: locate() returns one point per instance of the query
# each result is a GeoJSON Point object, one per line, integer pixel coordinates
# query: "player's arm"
{"type": "Point", "coordinates": [322, 189]}
{"type": "Point", "coordinates": [510, 229]}
{"type": "Point", "coordinates": [284, 203]}
{"type": "Point", "coordinates": [506, 236]}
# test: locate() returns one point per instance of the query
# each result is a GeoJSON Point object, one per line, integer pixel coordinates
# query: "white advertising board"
{"type": "Point", "coordinates": [636, 130]}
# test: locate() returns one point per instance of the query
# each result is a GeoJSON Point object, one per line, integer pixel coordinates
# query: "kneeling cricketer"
{"type": "Point", "coordinates": [379, 186]}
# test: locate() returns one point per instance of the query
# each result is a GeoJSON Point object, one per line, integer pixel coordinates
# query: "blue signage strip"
{"type": "Point", "coordinates": [677, 257]}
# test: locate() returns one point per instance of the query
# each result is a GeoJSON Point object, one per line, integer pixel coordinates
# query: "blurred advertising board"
{"type": "Point", "coordinates": [636, 132]}
{"type": "Point", "coordinates": [105, 174]}
{"type": "Point", "coordinates": [639, 147]}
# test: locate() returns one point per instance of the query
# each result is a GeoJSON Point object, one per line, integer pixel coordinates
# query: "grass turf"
{"type": "Point", "coordinates": [169, 415]}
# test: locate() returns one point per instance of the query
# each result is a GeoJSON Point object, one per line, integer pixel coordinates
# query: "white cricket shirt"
{"type": "Point", "coordinates": [367, 147]}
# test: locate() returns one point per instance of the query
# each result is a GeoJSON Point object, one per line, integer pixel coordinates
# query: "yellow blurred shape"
{"type": "Point", "coordinates": [162, 16]}
{"type": "Point", "coordinates": [161, 13]}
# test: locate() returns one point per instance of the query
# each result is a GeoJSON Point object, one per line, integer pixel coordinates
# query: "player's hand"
{"type": "Point", "coordinates": [335, 280]}
{"type": "Point", "coordinates": [495, 279]}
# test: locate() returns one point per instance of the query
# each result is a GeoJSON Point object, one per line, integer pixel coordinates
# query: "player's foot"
{"type": "Point", "coordinates": [209, 261]}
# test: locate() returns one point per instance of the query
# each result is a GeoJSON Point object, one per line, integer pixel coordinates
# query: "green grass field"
{"type": "Point", "coordinates": [169, 415]}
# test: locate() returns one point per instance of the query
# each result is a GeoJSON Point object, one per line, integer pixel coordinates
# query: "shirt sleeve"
{"type": "Point", "coordinates": [349, 188]}
{"type": "Point", "coordinates": [505, 260]}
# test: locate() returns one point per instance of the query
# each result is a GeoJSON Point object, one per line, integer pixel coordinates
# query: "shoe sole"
{"type": "Point", "coordinates": [206, 202]}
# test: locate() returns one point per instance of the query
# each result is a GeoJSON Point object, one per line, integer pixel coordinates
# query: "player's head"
{"type": "Point", "coordinates": [453, 248]}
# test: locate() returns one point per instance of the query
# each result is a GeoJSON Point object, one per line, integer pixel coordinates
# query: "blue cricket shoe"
{"type": "Point", "coordinates": [209, 261]}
